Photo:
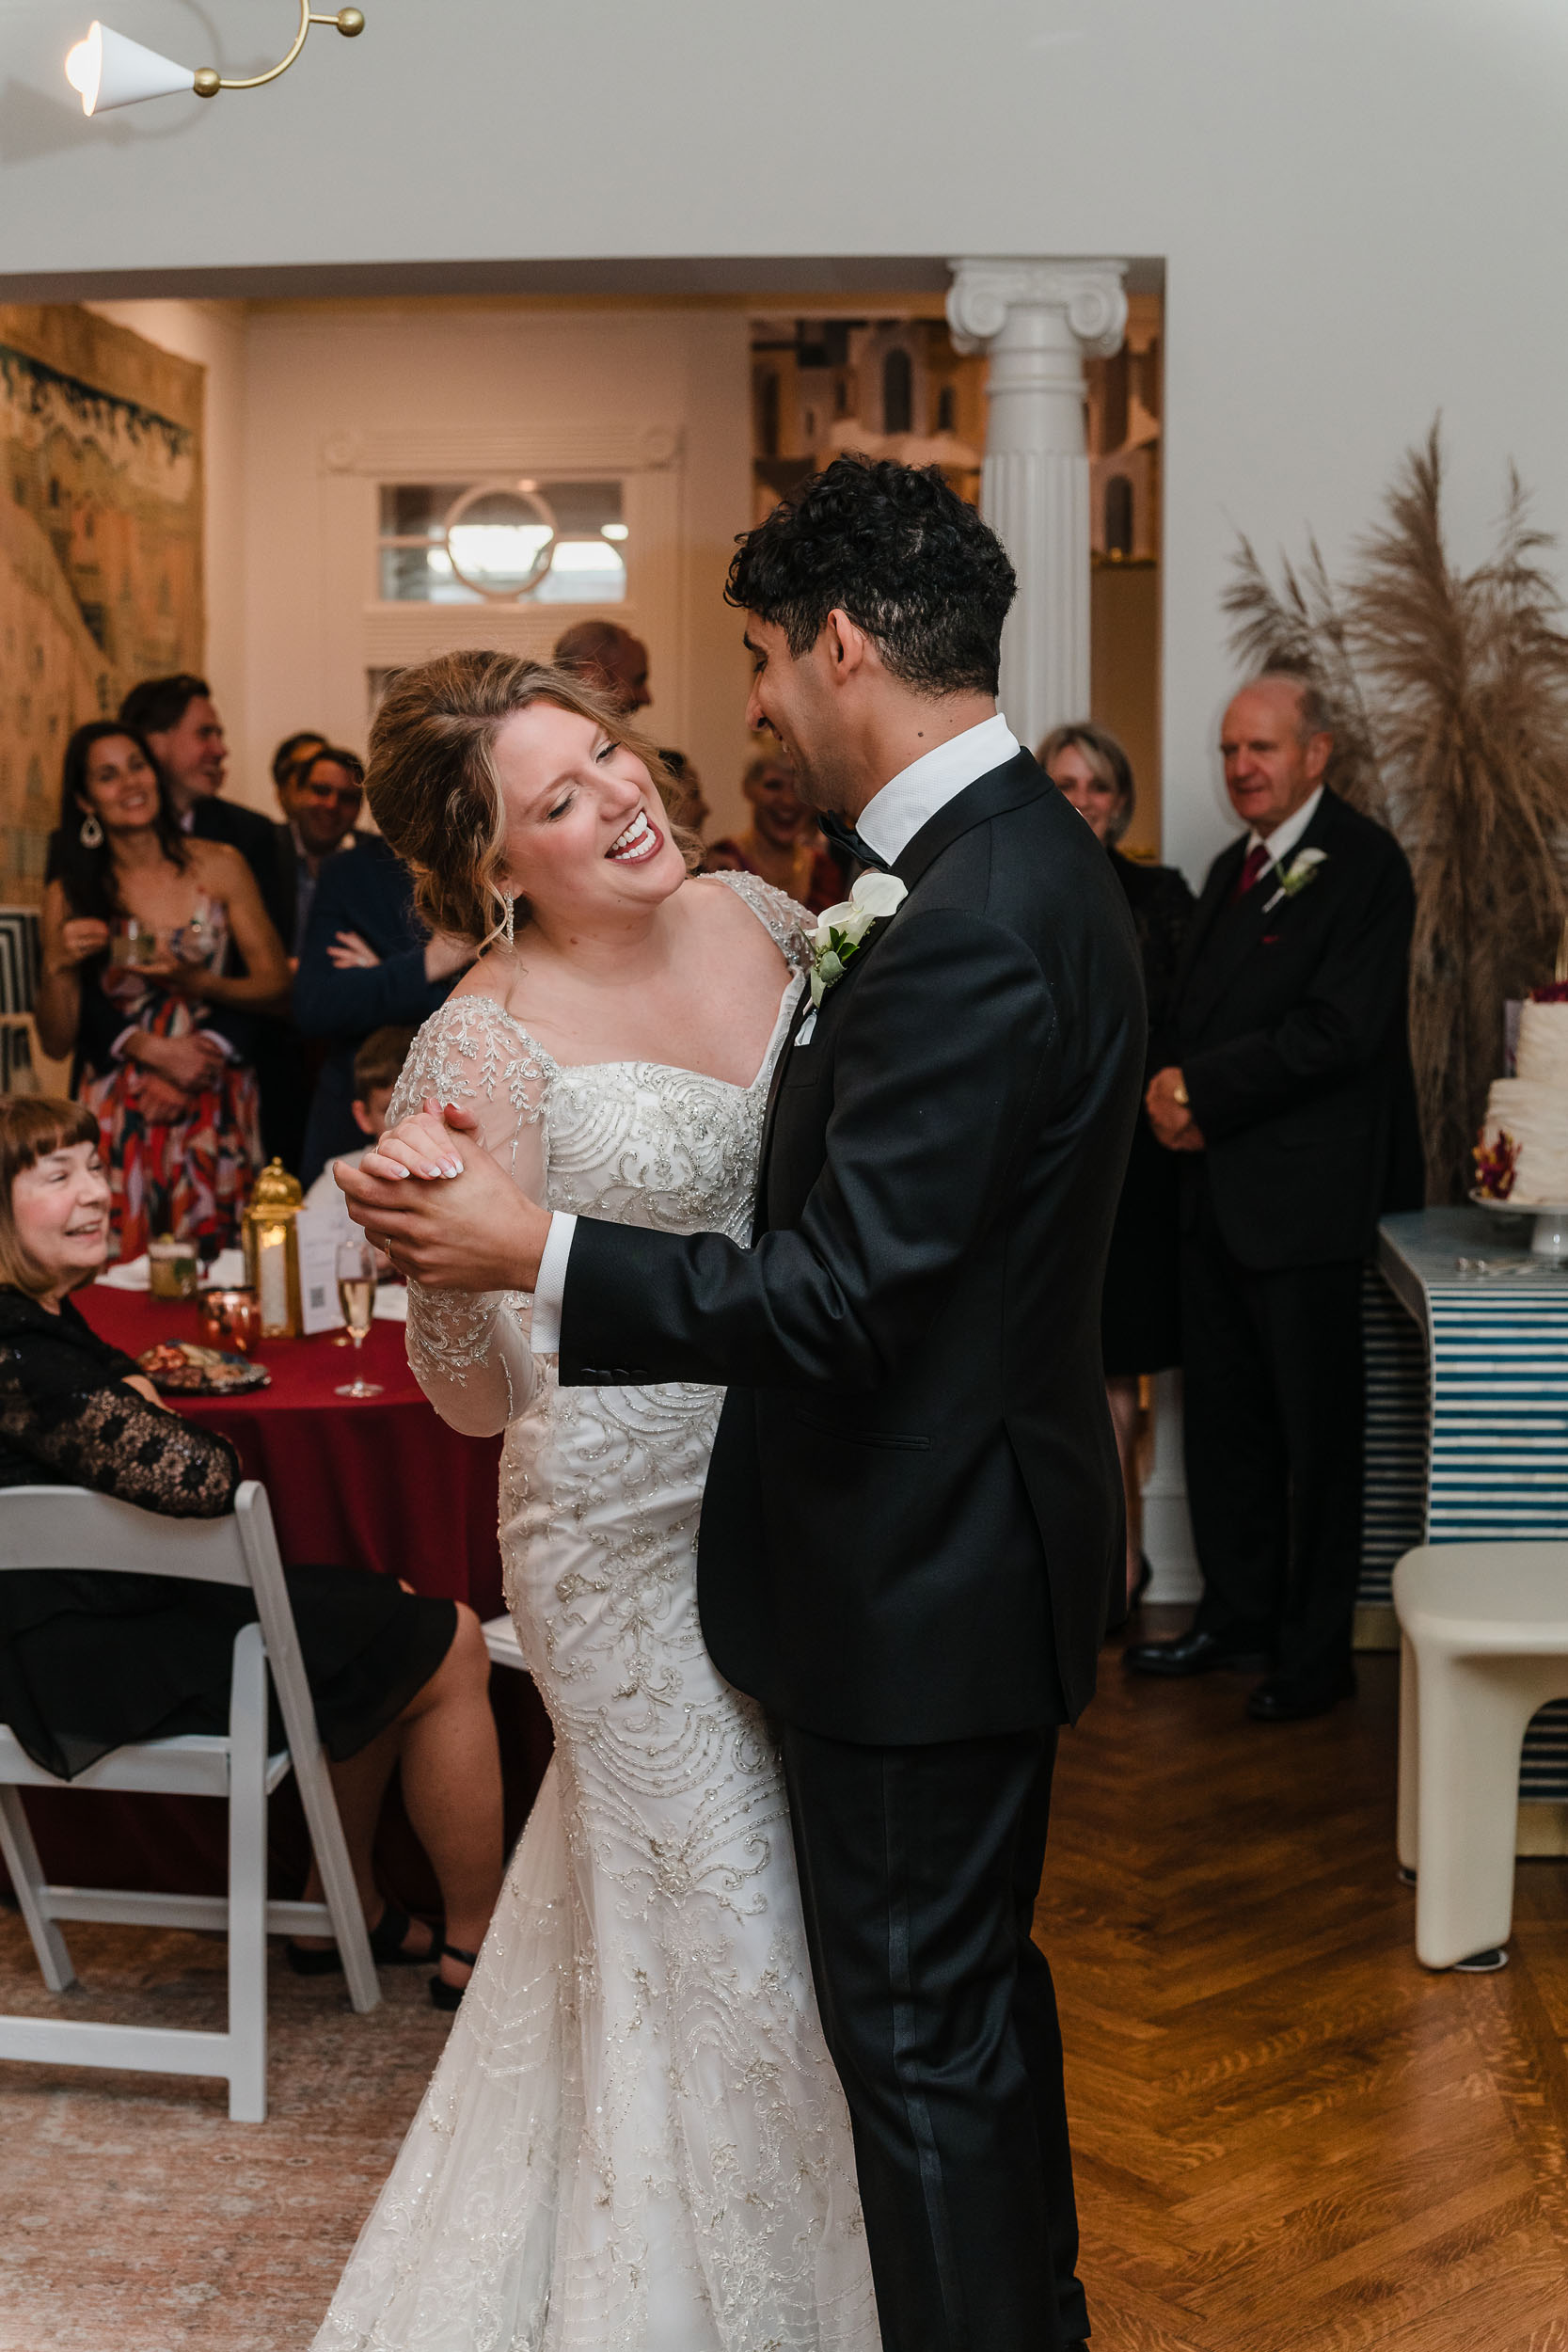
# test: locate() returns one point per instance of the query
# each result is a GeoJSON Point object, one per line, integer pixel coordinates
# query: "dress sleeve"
{"type": "Point", "coordinates": [787, 923]}
{"type": "Point", "coordinates": [469, 1350]}
{"type": "Point", "coordinates": [110, 1438]}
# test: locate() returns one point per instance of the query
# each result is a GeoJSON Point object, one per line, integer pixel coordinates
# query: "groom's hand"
{"type": "Point", "coordinates": [471, 1231]}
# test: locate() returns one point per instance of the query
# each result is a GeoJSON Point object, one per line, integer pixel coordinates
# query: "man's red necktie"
{"type": "Point", "coordinates": [1258, 859]}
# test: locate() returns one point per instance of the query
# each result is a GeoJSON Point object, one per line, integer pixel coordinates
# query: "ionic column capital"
{"type": "Point", "coordinates": [1088, 296]}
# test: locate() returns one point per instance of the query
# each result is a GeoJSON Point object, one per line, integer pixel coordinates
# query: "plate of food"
{"type": "Point", "coordinates": [182, 1367]}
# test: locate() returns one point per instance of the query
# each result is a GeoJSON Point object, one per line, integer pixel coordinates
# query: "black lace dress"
{"type": "Point", "coordinates": [1141, 1315]}
{"type": "Point", "coordinates": [89, 1660]}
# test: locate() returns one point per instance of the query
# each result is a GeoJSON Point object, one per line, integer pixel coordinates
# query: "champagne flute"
{"type": "Point", "coordinates": [356, 1293]}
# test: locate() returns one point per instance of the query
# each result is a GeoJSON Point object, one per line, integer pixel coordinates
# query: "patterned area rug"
{"type": "Point", "coordinates": [133, 2215]}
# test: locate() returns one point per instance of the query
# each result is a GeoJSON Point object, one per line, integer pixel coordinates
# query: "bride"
{"type": "Point", "coordinates": [635, 2141]}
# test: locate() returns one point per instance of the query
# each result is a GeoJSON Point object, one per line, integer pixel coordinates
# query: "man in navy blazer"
{"type": "Point", "coordinates": [367, 962]}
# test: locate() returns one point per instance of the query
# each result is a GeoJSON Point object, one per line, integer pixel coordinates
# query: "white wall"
{"type": "Point", "coordinates": [1360, 203]}
{"type": "Point", "coordinates": [345, 395]}
{"type": "Point", "coordinates": [309, 405]}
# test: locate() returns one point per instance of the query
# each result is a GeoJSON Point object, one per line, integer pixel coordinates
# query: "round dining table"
{"type": "Point", "coordinates": [375, 1483]}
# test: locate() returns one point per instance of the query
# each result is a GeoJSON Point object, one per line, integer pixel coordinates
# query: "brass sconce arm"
{"type": "Point", "coordinates": [349, 22]}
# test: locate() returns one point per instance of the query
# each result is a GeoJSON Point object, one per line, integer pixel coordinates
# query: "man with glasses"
{"type": "Point", "coordinates": [322, 796]}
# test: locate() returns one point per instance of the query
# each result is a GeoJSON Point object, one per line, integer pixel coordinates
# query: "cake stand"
{"type": "Point", "coordinates": [1550, 1236]}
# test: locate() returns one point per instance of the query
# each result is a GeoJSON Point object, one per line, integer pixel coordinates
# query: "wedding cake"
{"type": "Point", "coordinates": [1530, 1112]}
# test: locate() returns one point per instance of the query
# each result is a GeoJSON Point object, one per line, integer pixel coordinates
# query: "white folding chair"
{"type": "Point", "coordinates": [55, 1527]}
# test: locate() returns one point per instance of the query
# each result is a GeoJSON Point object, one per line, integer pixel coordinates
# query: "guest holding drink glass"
{"type": "Point", "coordinates": [137, 919]}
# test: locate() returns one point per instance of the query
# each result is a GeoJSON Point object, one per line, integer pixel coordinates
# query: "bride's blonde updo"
{"type": "Point", "coordinates": [432, 780]}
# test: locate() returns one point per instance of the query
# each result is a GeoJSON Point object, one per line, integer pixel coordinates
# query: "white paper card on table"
{"type": "Point", "coordinates": [319, 1232]}
{"type": "Point", "coordinates": [128, 1273]}
{"type": "Point", "coordinates": [391, 1304]}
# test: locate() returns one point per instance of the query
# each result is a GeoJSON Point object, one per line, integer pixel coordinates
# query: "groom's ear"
{"type": "Point", "coordinates": [846, 645]}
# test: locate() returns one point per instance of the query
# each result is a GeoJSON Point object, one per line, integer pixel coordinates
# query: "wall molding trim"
{"type": "Point", "coordinates": [472, 453]}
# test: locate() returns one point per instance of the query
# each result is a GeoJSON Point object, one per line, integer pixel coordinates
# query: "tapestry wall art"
{"type": "Point", "coordinates": [100, 511]}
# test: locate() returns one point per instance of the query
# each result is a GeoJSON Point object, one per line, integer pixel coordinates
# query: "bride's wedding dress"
{"type": "Point", "coordinates": [635, 2141]}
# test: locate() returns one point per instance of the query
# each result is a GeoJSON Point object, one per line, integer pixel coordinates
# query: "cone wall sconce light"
{"type": "Point", "coordinates": [106, 69]}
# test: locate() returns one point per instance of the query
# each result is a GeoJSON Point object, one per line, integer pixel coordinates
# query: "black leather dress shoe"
{"type": "Point", "coordinates": [1193, 1653]}
{"type": "Point", "coordinates": [1280, 1701]}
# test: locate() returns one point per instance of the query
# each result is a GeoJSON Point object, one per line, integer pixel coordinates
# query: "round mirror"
{"type": "Point", "coordinates": [501, 539]}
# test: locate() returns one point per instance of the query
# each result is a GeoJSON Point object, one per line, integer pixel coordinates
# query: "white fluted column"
{"type": "Point", "coordinates": [1038, 321]}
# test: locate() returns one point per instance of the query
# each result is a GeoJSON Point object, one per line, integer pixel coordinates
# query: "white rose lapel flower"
{"type": "Point", "coordinates": [1295, 877]}
{"type": "Point", "coordinates": [841, 932]}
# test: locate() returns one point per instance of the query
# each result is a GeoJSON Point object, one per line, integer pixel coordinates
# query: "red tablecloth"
{"type": "Point", "coordinates": [379, 1483]}
{"type": "Point", "coordinates": [375, 1481]}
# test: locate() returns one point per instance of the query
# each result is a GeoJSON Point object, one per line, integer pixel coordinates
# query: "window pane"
{"type": "Point", "coordinates": [423, 576]}
{"type": "Point", "coordinates": [585, 571]}
{"type": "Point", "coordinates": [495, 540]}
{"type": "Point", "coordinates": [416, 510]}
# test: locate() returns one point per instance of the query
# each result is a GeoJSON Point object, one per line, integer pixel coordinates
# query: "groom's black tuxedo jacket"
{"type": "Point", "coordinates": [913, 1510]}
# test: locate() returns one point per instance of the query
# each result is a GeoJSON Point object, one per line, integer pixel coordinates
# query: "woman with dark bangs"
{"type": "Point", "coordinates": [139, 918]}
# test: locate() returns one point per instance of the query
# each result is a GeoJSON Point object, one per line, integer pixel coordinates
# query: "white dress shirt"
{"type": "Point", "coordinates": [1285, 835]}
{"type": "Point", "coordinates": [888, 824]}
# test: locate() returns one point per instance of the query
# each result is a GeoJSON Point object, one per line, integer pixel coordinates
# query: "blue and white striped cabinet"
{"type": "Point", "coordinates": [1467, 1413]}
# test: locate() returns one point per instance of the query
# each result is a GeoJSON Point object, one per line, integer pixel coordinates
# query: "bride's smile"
{"type": "Point", "coordinates": [587, 838]}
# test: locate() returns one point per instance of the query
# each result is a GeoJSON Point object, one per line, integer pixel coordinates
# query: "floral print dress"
{"type": "Point", "coordinates": [189, 1176]}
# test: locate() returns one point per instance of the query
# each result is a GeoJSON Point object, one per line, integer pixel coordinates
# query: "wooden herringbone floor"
{"type": "Point", "coordinates": [1290, 2135]}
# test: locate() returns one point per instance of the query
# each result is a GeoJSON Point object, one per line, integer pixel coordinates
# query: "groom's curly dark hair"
{"type": "Point", "coordinates": [898, 550]}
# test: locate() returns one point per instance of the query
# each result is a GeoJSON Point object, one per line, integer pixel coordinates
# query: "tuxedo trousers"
{"type": "Point", "coordinates": [919, 1869]}
{"type": "Point", "coordinates": [1273, 1405]}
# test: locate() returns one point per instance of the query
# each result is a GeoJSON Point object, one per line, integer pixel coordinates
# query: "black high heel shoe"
{"type": "Point", "coordinates": [449, 1996]}
{"type": "Point", "coordinates": [385, 1939]}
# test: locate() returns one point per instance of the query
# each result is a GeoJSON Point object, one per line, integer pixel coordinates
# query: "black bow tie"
{"type": "Point", "coordinates": [845, 837]}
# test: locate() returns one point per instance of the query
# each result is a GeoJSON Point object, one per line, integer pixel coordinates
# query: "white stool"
{"type": "Point", "coordinates": [1484, 1645]}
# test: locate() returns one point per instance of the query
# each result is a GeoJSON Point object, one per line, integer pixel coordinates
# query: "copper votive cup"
{"type": "Point", "coordinates": [230, 1318]}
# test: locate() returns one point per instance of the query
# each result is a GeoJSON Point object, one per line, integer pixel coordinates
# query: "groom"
{"type": "Point", "coordinates": [913, 1518]}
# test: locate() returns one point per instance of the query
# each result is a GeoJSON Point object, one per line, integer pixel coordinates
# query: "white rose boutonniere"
{"type": "Point", "coordinates": [1295, 877]}
{"type": "Point", "coordinates": [842, 930]}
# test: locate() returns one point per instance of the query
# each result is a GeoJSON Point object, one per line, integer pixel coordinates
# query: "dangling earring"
{"type": "Point", "coordinates": [509, 925]}
{"type": "Point", "coordinates": [92, 834]}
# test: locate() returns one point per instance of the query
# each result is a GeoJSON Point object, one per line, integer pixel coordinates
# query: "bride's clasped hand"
{"type": "Point", "coordinates": [484, 1233]}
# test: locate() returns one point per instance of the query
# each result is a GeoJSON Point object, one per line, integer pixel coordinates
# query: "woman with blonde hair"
{"type": "Point", "coordinates": [636, 2139]}
{"type": "Point", "coordinates": [1140, 1317]}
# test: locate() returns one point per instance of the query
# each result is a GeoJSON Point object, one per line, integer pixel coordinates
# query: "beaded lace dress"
{"type": "Point", "coordinates": [635, 2141]}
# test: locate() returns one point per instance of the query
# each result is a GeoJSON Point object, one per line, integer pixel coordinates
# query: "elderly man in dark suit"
{"type": "Point", "coordinates": [1290, 1097]}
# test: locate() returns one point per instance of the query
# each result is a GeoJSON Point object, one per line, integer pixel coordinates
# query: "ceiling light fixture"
{"type": "Point", "coordinates": [107, 69]}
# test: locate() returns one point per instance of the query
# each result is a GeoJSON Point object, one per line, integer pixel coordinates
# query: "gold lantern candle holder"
{"type": "Point", "coordinates": [271, 1241]}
